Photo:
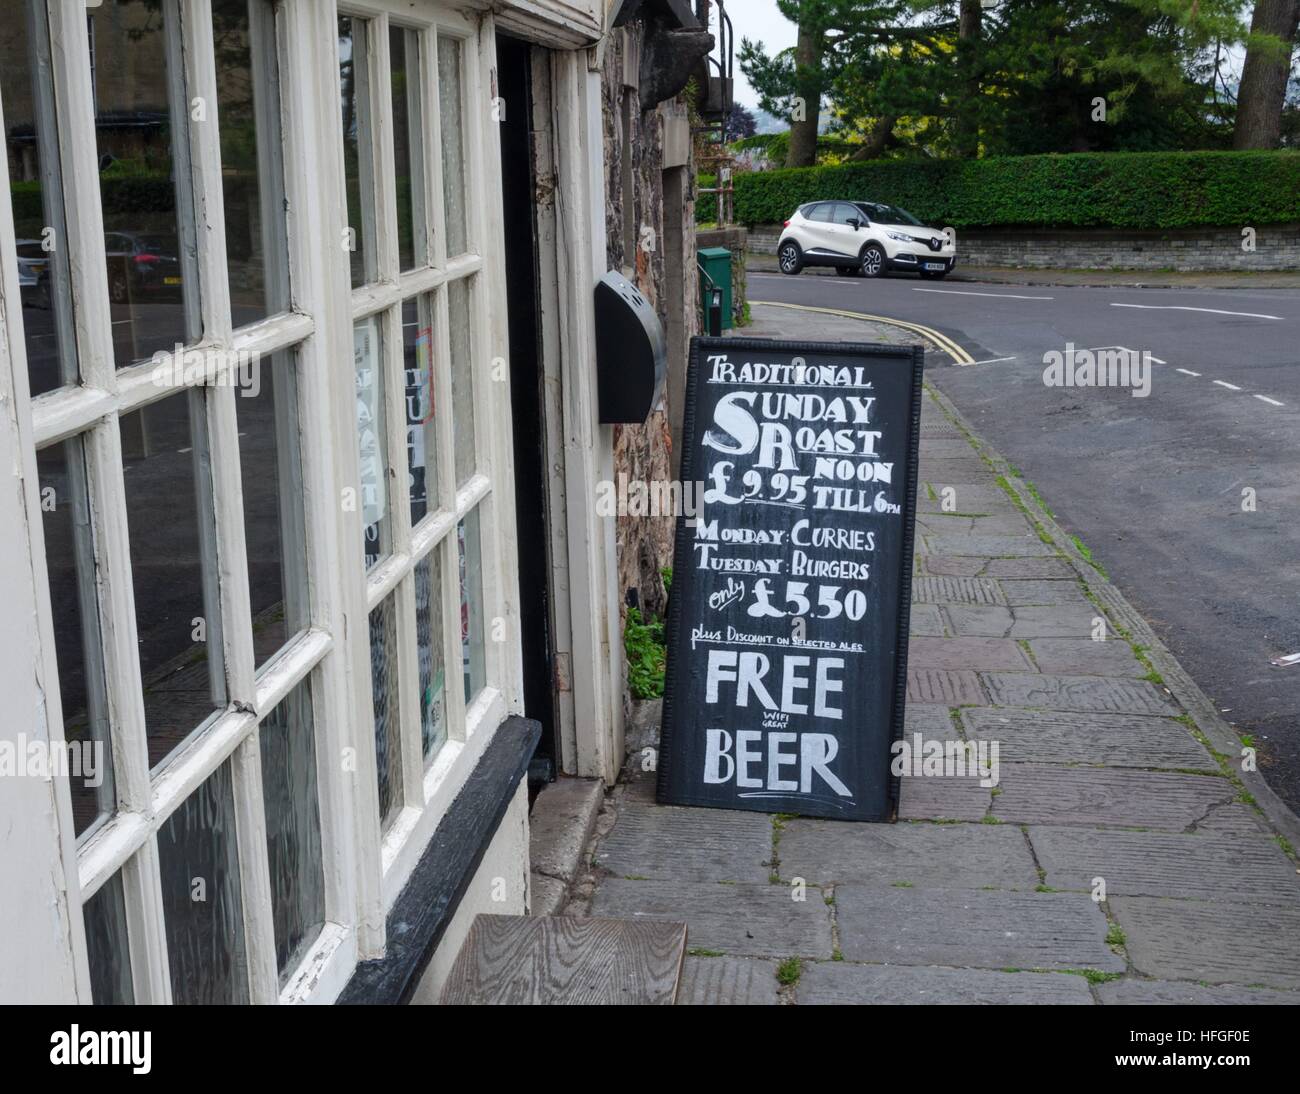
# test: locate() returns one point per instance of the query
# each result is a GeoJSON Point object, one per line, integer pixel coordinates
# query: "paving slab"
{"type": "Point", "coordinates": [1132, 992]}
{"type": "Point", "coordinates": [1041, 621]}
{"type": "Point", "coordinates": [841, 983]}
{"type": "Point", "coordinates": [1026, 546]}
{"type": "Point", "coordinates": [1042, 568]}
{"type": "Point", "coordinates": [956, 798]}
{"type": "Point", "coordinates": [973, 928]}
{"type": "Point", "coordinates": [1095, 796]}
{"type": "Point", "coordinates": [951, 470]}
{"type": "Point", "coordinates": [931, 721]}
{"type": "Point", "coordinates": [1041, 591]}
{"type": "Point", "coordinates": [1235, 818]}
{"type": "Point", "coordinates": [926, 620]}
{"type": "Point", "coordinates": [684, 844]}
{"type": "Point", "coordinates": [1084, 657]}
{"type": "Point", "coordinates": [956, 590]}
{"type": "Point", "coordinates": [945, 523]}
{"type": "Point", "coordinates": [739, 920]}
{"type": "Point", "coordinates": [1219, 943]}
{"type": "Point", "coordinates": [1081, 693]}
{"type": "Point", "coordinates": [945, 687]}
{"type": "Point", "coordinates": [940, 448]}
{"type": "Point", "coordinates": [969, 495]}
{"type": "Point", "coordinates": [1113, 740]}
{"type": "Point", "coordinates": [982, 654]}
{"type": "Point", "coordinates": [1199, 865]}
{"type": "Point", "coordinates": [946, 856]}
{"type": "Point", "coordinates": [728, 982]}
{"type": "Point", "coordinates": [954, 565]}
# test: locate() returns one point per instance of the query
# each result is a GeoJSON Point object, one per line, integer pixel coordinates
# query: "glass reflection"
{"type": "Point", "coordinates": [107, 946]}
{"type": "Point", "coordinates": [288, 750]}
{"type": "Point", "coordinates": [383, 684]}
{"type": "Point", "coordinates": [74, 603]}
{"type": "Point", "coordinates": [451, 112]}
{"type": "Point", "coordinates": [203, 912]}
{"type": "Point", "coordinates": [141, 123]}
{"type": "Point", "coordinates": [169, 511]}
{"type": "Point", "coordinates": [471, 604]}
{"type": "Point", "coordinates": [429, 652]}
{"type": "Point", "coordinates": [32, 151]}
{"type": "Point", "coordinates": [421, 426]}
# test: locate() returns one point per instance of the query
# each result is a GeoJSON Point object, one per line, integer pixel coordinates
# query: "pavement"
{"type": "Point", "coordinates": [1188, 497]}
{"type": "Point", "coordinates": [1127, 854]}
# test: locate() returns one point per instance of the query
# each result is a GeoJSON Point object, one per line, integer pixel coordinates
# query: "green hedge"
{"type": "Point", "coordinates": [1084, 190]}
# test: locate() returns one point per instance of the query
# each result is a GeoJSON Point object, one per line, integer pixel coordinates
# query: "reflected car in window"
{"type": "Point", "coordinates": [33, 273]}
{"type": "Point", "coordinates": [141, 265]}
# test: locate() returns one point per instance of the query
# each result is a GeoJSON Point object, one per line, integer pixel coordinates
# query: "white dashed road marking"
{"type": "Point", "coordinates": [1187, 372]}
{"type": "Point", "coordinates": [1271, 402]}
{"type": "Point", "coordinates": [995, 295]}
{"type": "Point", "coordinates": [1224, 383]}
{"type": "Point", "coordinates": [1184, 307]}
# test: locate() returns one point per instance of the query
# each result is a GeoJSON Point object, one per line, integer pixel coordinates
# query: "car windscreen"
{"type": "Point", "coordinates": [887, 214]}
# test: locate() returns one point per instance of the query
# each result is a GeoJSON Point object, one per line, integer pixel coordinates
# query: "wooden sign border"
{"type": "Point", "coordinates": [682, 539]}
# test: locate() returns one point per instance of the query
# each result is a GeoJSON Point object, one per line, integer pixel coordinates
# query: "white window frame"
{"type": "Point", "coordinates": [363, 872]}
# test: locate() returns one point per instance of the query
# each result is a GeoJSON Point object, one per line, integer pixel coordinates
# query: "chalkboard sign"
{"type": "Point", "coordinates": [788, 621]}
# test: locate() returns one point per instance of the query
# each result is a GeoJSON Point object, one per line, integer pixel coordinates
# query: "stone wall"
{"type": "Point", "coordinates": [1277, 247]}
{"type": "Point", "coordinates": [639, 238]}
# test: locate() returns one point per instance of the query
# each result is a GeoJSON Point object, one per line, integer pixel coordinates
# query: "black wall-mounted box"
{"type": "Point", "coordinates": [631, 351]}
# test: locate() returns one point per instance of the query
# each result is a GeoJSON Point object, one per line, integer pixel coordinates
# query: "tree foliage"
{"type": "Point", "coordinates": [941, 77]}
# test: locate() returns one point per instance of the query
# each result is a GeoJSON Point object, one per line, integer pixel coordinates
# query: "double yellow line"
{"type": "Point", "coordinates": [951, 348]}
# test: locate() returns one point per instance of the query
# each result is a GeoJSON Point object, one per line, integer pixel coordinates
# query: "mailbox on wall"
{"type": "Point", "coordinates": [631, 351]}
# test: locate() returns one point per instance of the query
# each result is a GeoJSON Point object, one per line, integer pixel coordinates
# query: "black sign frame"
{"type": "Point", "coordinates": [673, 782]}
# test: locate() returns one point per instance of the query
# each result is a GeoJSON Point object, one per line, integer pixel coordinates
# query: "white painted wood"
{"type": "Point", "coordinates": [544, 169]}
{"type": "Point", "coordinates": [42, 948]}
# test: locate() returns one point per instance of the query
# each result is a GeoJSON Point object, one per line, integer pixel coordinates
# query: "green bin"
{"type": "Point", "coordinates": [715, 262]}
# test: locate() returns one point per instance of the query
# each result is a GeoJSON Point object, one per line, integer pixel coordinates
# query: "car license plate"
{"type": "Point", "coordinates": [934, 265]}
{"type": "Point", "coordinates": [171, 280]}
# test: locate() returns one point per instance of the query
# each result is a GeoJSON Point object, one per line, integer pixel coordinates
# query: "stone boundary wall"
{"type": "Point", "coordinates": [1277, 247]}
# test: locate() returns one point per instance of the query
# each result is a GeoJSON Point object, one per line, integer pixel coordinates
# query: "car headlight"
{"type": "Point", "coordinates": [900, 237]}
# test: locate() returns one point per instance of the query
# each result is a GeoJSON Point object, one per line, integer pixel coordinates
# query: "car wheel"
{"type": "Point", "coordinates": [934, 275]}
{"type": "Point", "coordinates": [790, 257]}
{"type": "Point", "coordinates": [871, 263]}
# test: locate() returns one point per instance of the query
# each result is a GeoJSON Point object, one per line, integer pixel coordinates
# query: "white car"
{"type": "Point", "coordinates": [863, 239]}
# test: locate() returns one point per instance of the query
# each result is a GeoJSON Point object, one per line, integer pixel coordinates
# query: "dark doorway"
{"type": "Point", "coordinates": [514, 75]}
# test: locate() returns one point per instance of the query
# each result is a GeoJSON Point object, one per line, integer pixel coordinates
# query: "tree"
{"type": "Point", "coordinates": [1262, 92]}
{"type": "Point", "coordinates": [739, 123]}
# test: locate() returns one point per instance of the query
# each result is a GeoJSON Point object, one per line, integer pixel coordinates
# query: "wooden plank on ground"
{"type": "Point", "coordinates": [562, 960]}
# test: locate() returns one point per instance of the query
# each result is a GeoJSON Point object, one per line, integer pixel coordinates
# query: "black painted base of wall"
{"type": "Point", "coordinates": [430, 898]}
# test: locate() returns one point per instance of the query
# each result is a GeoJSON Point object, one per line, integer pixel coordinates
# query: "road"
{"type": "Point", "coordinates": [1159, 488]}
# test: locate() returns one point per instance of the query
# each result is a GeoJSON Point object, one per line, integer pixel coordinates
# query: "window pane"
{"type": "Point", "coordinates": [471, 604]}
{"type": "Point", "coordinates": [106, 941]}
{"type": "Point", "coordinates": [355, 100]}
{"type": "Point", "coordinates": [203, 912]}
{"type": "Point", "coordinates": [367, 358]}
{"type": "Point", "coordinates": [462, 377]}
{"type": "Point", "coordinates": [429, 650]}
{"type": "Point", "coordinates": [34, 189]}
{"type": "Point", "coordinates": [451, 110]}
{"type": "Point", "coordinates": [173, 567]}
{"type": "Point", "coordinates": [288, 748]}
{"type": "Point", "coordinates": [252, 180]}
{"type": "Point", "coordinates": [274, 525]}
{"type": "Point", "coordinates": [421, 428]}
{"type": "Point", "coordinates": [141, 121]}
{"type": "Point", "coordinates": [383, 687]}
{"type": "Point", "coordinates": [408, 151]}
{"type": "Point", "coordinates": [70, 561]}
